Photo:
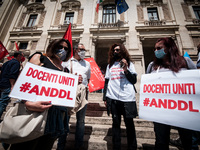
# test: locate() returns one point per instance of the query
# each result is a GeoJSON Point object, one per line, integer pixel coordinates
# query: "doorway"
{"type": "Point", "coordinates": [148, 51]}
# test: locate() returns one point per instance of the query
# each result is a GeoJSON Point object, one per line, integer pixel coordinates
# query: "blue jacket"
{"type": "Point", "coordinates": [9, 70]}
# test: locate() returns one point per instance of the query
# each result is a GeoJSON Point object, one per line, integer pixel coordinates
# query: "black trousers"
{"type": "Point", "coordinates": [44, 142]}
{"type": "Point", "coordinates": [118, 109]}
{"type": "Point", "coordinates": [162, 133]}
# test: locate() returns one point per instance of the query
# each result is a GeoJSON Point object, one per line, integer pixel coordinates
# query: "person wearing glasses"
{"type": "Point", "coordinates": [77, 65]}
{"type": "Point", "coordinates": [168, 58]}
{"type": "Point", "coordinates": [57, 51]}
{"type": "Point", "coordinates": [119, 94]}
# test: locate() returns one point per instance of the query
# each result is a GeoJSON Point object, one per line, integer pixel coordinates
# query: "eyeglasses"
{"type": "Point", "coordinates": [61, 47]}
{"type": "Point", "coordinates": [117, 50]}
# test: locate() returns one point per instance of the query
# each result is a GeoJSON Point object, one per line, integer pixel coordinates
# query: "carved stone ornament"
{"type": "Point", "coordinates": [71, 4]}
{"type": "Point", "coordinates": [151, 2]}
{"type": "Point", "coordinates": [35, 7]}
{"type": "Point", "coordinates": [192, 2]}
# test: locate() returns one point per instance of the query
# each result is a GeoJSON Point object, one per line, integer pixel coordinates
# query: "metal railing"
{"type": "Point", "coordinates": [111, 25]}
{"type": "Point", "coordinates": [154, 23]}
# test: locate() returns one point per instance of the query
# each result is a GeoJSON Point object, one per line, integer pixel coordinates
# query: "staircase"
{"type": "Point", "coordinates": [98, 129]}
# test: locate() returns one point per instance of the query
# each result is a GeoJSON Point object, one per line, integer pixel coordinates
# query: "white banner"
{"type": "Point", "coordinates": [171, 98]}
{"type": "Point", "coordinates": [37, 83]}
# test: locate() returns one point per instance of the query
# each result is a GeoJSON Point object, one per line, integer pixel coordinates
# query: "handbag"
{"type": "Point", "coordinates": [20, 125]}
{"type": "Point", "coordinates": [80, 100]}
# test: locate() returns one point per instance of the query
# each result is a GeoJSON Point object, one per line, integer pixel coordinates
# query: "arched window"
{"type": "Point", "coordinates": [109, 14]}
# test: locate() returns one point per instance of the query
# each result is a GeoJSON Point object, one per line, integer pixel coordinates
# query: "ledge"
{"type": "Point", "coordinates": [26, 33]}
{"type": "Point", "coordinates": [156, 28]}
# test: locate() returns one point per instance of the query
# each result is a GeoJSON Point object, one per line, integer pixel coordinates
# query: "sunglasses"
{"type": "Point", "coordinates": [117, 50]}
{"type": "Point", "coordinates": [61, 47]}
{"type": "Point", "coordinates": [81, 49]}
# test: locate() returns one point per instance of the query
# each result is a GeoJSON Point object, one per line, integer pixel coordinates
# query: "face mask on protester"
{"type": "Point", "coordinates": [81, 54]}
{"type": "Point", "coordinates": [116, 56]}
{"type": "Point", "coordinates": [61, 53]}
{"type": "Point", "coordinates": [160, 53]}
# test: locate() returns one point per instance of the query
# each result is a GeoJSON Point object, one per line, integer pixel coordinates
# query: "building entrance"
{"type": "Point", "coordinates": [148, 51]}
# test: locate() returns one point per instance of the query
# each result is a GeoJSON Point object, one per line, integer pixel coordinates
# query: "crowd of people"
{"type": "Point", "coordinates": [118, 94]}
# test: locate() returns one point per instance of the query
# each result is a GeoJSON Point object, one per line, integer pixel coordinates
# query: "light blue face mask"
{"type": "Point", "coordinates": [61, 53]}
{"type": "Point", "coordinates": [160, 53]}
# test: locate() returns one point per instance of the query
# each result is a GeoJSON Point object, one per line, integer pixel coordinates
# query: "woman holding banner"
{"type": "Point", "coordinates": [119, 94]}
{"type": "Point", "coordinates": [168, 58]}
{"type": "Point", "coordinates": [57, 51]}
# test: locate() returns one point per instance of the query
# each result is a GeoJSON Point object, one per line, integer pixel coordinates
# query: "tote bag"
{"type": "Point", "coordinates": [20, 125]}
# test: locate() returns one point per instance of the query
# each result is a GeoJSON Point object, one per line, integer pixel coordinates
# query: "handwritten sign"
{"type": "Point", "coordinates": [37, 83]}
{"type": "Point", "coordinates": [171, 98]}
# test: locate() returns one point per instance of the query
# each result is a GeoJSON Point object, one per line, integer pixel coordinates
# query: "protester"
{"type": "Point", "coordinates": [9, 74]}
{"type": "Point", "coordinates": [57, 51]}
{"type": "Point", "coordinates": [77, 65]}
{"type": "Point", "coordinates": [119, 94]}
{"type": "Point", "coordinates": [168, 58]}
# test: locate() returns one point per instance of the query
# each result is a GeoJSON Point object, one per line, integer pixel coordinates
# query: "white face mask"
{"type": "Point", "coordinates": [81, 54]}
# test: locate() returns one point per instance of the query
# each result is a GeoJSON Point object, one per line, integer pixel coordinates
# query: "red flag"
{"type": "Point", "coordinates": [3, 51]}
{"type": "Point", "coordinates": [97, 79]}
{"type": "Point", "coordinates": [17, 47]}
{"type": "Point", "coordinates": [68, 36]}
{"type": "Point", "coordinates": [97, 7]}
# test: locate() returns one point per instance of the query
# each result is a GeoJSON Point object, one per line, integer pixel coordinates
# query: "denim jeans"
{"type": "Point", "coordinates": [4, 100]}
{"type": "Point", "coordinates": [62, 139]}
{"type": "Point", "coordinates": [195, 139]}
{"type": "Point", "coordinates": [118, 109]}
{"type": "Point", "coordinates": [80, 127]}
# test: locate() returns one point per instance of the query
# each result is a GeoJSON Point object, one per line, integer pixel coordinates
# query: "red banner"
{"type": "Point", "coordinates": [97, 79]}
{"type": "Point", "coordinates": [3, 51]}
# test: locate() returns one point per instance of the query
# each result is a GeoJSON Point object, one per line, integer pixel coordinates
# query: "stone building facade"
{"type": "Point", "coordinates": [34, 23]}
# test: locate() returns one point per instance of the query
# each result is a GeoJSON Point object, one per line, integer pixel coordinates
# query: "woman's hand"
{"type": "Point", "coordinates": [80, 78]}
{"type": "Point", "coordinates": [125, 66]}
{"type": "Point", "coordinates": [105, 102]}
{"type": "Point", "coordinates": [38, 106]}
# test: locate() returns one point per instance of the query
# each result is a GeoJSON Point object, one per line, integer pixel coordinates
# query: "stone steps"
{"type": "Point", "coordinates": [102, 130]}
{"type": "Point", "coordinates": [98, 129]}
{"type": "Point", "coordinates": [94, 142]}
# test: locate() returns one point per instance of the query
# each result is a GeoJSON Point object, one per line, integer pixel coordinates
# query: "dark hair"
{"type": "Point", "coordinates": [16, 53]}
{"type": "Point", "coordinates": [123, 54]}
{"type": "Point", "coordinates": [173, 60]}
{"type": "Point", "coordinates": [53, 47]}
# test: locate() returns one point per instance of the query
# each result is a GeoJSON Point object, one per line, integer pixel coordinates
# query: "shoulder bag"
{"type": "Point", "coordinates": [21, 125]}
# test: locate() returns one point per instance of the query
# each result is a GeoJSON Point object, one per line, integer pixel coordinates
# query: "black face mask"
{"type": "Point", "coordinates": [116, 56]}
